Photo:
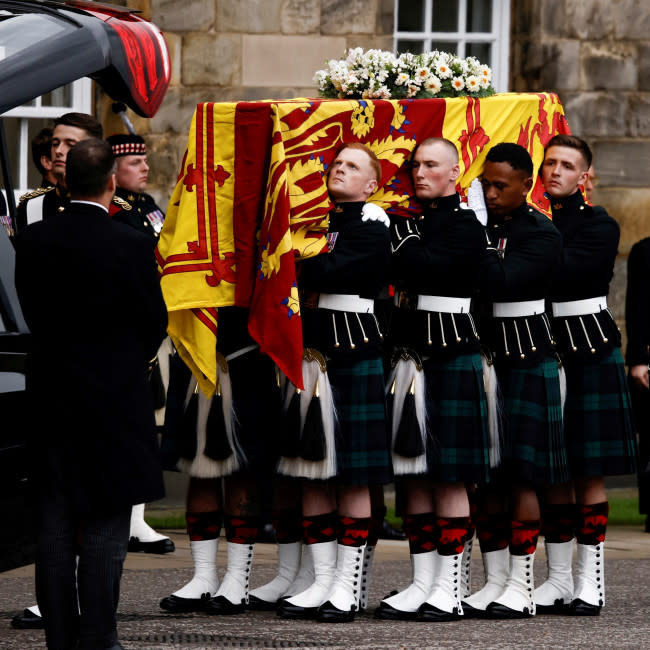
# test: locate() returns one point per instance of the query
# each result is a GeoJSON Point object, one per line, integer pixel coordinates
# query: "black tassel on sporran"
{"type": "Point", "coordinates": [217, 445]}
{"type": "Point", "coordinates": [408, 441]}
{"type": "Point", "coordinates": [312, 443]}
{"type": "Point", "coordinates": [188, 442]}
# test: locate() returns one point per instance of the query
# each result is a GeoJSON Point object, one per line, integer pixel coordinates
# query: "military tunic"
{"type": "Point", "coordinates": [443, 260]}
{"type": "Point", "coordinates": [138, 210]}
{"type": "Point", "coordinates": [518, 268]}
{"type": "Point", "coordinates": [597, 418]}
{"type": "Point", "coordinates": [356, 265]}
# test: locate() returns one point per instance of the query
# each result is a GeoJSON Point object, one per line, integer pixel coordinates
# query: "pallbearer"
{"type": "Point", "coordinates": [597, 422]}
{"type": "Point", "coordinates": [439, 421]}
{"type": "Point", "coordinates": [515, 276]}
{"type": "Point", "coordinates": [342, 369]}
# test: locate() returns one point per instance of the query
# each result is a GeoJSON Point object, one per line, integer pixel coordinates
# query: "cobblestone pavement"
{"type": "Point", "coordinates": [624, 622]}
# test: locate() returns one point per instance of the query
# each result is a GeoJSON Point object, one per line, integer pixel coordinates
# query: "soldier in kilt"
{"type": "Point", "coordinates": [597, 419]}
{"type": "Point", "coordinates": [224, 437]}
{"type": "Point", "coordinates": [515, 277]}
{"type": "Point", "coordinates": [339, 458]}
{"type": "Point", "coordinates": [438, 375]}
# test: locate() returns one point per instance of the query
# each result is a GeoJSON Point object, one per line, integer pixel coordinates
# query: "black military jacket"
{"type": "Point", "coordinates": [637, 304]}
{"type": "Point", "coordinates": [138, 210]}
{"type": "Point", "coordinates": [55, 201]}
{"type": "Point", "coordinates": [589, 246]}
{"type": "Point", "coordinates": [442, 261]}
{"type": "Point", "coordinates": [356, 264]}
{"type": "Point", "coordinates": [518, 266]}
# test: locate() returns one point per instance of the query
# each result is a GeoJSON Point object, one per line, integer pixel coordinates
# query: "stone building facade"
{"type": "Point", "coordinates": [594, 53]}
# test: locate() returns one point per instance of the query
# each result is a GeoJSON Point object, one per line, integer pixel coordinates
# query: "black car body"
{"type": "Point", "coordinates": [44, 45]}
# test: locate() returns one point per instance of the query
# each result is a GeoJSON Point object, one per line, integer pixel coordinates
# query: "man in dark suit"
{"type": "Point", "coordinates": [91, 297]}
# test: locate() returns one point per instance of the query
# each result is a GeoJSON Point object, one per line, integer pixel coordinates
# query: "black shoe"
{"type": "Point", "coordinates": [178, 605]}
{"type": "Point", "coordinates": [159, 547]}
{"type": "Point", "coordinates": [497, 610]}
{"type": "Point", "coordinates": [473, 612]}
{"type": "Point", "coordinates": [431, 613]}
{"type": "Point", "coordinates": [388, 532]}
{"type": "Point", "coordinates": [27, 621]}
{"type": "Point", "coordinates": [220, 605]}
{"type": "Point", "coordinates": [327, 613]}
{"type": "Point", "coordinates": [288, 610]}
{"type": "Point", "coordinates": [389, 613]}
{"type": "Point", "coordinates": [259, 605]}
{"type": "Point", "coordinates": [581, 608]}
{"type": "Point", "coordinates": [559, 607]}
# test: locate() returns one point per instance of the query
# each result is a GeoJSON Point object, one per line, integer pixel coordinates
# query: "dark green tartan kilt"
{"type": "Point", "coordinates": [598, 419]}
{"type": "Point", "coordinates": [534, 450]}
{"type": "Point", "coordinates": [362, 438]}
{"type": "Point", "coordinates": [457, 420]}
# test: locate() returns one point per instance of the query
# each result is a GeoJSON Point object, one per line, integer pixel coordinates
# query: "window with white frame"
{"type": "Point", "coordinates": [24, 122]}
{"type": "Point", "coordinates": [479, 28]}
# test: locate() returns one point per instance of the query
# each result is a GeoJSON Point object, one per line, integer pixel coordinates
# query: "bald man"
{"type": "Point", "coordinates": [437, 358]}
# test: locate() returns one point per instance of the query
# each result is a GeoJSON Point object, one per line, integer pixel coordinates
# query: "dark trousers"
{"type": "Point", "coordinates": [101, 543]}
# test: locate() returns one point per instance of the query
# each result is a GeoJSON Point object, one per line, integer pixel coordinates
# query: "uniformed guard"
{"type": "Point", "coordinates": [439, 407]}
{"type": "Point", "coordinates": [342, 366]}
{"type": "Point", "coordinates": [597, 420]}
{"type": "Point", "coordinates": [515, 277]}
{"type": "Point", "coordinates": [46, 202]}
{"type": "Point", "coordinates": [131, 204]}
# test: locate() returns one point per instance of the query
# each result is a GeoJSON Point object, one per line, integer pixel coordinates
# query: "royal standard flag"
{"type": "Point", "coordinates": [251, 199]}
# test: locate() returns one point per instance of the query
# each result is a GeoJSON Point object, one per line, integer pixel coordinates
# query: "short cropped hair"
{"type": "Point", "coordinates": [42, 146]}
{"type": "Point", "coordinates": [513, 154]}
{"type": "Point", "coordinates": [374, 161]}
{"type": "Point", "coordinates": [81, 121]}
{"type": "Point", "coordinates": [88, 168]}
{"type": "Point", "coordinates": [449, 145]}
{"type": "Point", "coordinates": [573, 142]}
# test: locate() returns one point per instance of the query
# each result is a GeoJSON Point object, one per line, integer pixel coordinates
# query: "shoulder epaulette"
{"type": "Point", "coordinates": [125, 205]}
{"type": "Point", "coordinates": [34, 193]}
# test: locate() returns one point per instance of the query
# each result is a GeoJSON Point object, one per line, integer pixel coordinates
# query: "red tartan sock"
{"type": "Point", "coordinates": [523, 537]}
{"type": "Point", "coordinates": [376, 523]}
{"type": "Point", "coordinates": [558, 522]}
{"type": "Point", "coordinates": [319, 528]}
{"type": "Point", "coordinates": [421, 532]}
{"type": "Point", "coordinates": [288, 526]}
{"type": "Point", "coordinates": [451, 534]}
{"type": "Point", "coordinates": [241, 530]}
{"type": "Point", "coordinates": [592, 523]}
{"type": "Point", "coordinates": [353, 531]}
{"type": "Point", "coordinates": [493, 531]}
{"type": "Point", "coordinates": [202, 526]}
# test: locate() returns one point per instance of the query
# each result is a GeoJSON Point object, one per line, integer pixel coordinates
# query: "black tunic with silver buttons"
{"type": "Point", "coordinates": [442, 259]}
{"type": "Point", "coordinates": [357, 264]}
{"type": "Point", "coordinates": [589, 246]}
{"type": "Point", "coordinates": [518, 266]}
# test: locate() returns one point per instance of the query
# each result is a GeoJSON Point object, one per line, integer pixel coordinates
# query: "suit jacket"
{"type": "Point", "coordinates": [91, 297]}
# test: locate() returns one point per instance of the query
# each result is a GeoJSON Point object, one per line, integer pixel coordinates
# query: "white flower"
{"type": "Point", "coordinates": [472, 84]}
{"type": "Point", "coordinates": [421, 73]}
{"type": "Point", "coordinates": [443, 71]}
{"type": "Point", "coordinates": [486, 73]}
{"type": "Point", "coordinates": [457, 84]}
{"type": "Point", "coordinates": [484, 83]}
{"type": "Point", "coordinates": [402, 79]}
{"type": "Point", "coordinates": [432, 84]}
{"type": "Point", "coordinates": [412, 91]}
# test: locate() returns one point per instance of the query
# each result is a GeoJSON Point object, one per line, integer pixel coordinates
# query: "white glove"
{"type": "Point", "coordinates": [372, 212]}
{"type": "Point", "coordinates": [476, 201]}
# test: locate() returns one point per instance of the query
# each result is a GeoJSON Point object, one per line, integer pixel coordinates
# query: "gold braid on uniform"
{"type": "Point", "coordinates": [125, 205]}
{"type": "Point", "coordinates": [34, 193]}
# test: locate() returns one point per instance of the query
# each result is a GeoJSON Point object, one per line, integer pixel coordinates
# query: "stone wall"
{"type": "Point", "coordinates": [596, 55]}
{"type": "Point", "coordinates": [224, 50]}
